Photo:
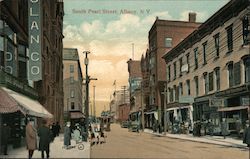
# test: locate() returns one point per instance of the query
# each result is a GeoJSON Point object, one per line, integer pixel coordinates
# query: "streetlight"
{"type": "Point", "coordinates": [87, 80]}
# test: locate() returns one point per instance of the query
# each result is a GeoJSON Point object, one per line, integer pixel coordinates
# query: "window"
{"type": "Point", "coordinates": [217, 44]}
{"type": "Point", "coordinates": [180, 60]}
{"type": "Point", "coordinates": [205, 82]}
{"type": "Point", "coordinates": [204, 52]}
{"type": "Point", "coordinates": [247, 69]}
{"type": "Point", "coordinates": [211, 81]}
{"type": "Point", "coordinates": [180, 89]}
{"type": "Point", "coordinates": [72, 93]}
{"type": "Point", "coordinates": [71, 79]}
{"type": "Point", "coordinates": [187, 56]}
{"type": "Point", "coordinates": [72, 105]}
{"type": "Point", "coordinates": [230, 38]}
{"type": "Point", "coordinates": [237, 73]}
{"type": "Point", "coordinates": [230, 75]}
{"type": "Point", "coordinates": [188, 87]}
{"type": "Point", "coordinates": [168, 42]}
{"type": "Point", "coordinates": [1, 51]}
{"type": "Point", "coordinates": [174, 70]}
{"type": "Point", "coordinates": [217, 76]}
{"type": "Point", "coordinates": [174, 93]}
{"type": "Point", "coordinates": [22, 71]}
{"type": "Point", "coordinates": [196, 57]}
{"type": "Point", "coordinates": [196, 81]}
{"type": "Point", "coordinates": [169, 73]}
{"type": "Point", "coordinates": [245, 23]}
{"type": "Point", "coordinates": [71, 68]}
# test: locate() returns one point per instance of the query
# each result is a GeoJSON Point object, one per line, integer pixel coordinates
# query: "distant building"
{"type": "Point", "coordinates": [163, 36]}
{"type": "Point", "coordinates": [72, 82]}
{"type": "Point", "coordinates": [208, 73]}
{"type": "Point", "coordinates": [124, 110]}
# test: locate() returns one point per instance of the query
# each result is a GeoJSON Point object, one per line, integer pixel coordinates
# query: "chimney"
{"type": "Point", "coordinates": [192, 17]}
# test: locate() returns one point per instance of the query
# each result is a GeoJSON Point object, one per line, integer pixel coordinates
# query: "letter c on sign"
{"type": "Point", "coordinates": [35, 70]}
{"type": "Point", "coordinates": [33, 58]}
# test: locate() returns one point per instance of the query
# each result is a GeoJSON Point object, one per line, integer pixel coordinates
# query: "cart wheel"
{"type": "Point", "coordinates": [80, 146]}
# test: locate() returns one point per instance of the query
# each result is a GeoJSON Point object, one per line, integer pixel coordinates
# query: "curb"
{"type": "Point", "coordinates": [207, 142]}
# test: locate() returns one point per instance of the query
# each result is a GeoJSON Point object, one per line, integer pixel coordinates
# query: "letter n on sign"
{"type": "Point", "coordinates": [35, 60]}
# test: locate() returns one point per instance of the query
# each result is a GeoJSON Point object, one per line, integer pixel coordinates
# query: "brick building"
{"type": "Point", "coordinates": [72, 84]}
{"type": "Point", "coordinates": [208, 72]}
{"type": "Point", "coordinates": [124, 110]}
{"type": "Point", "coordinates": [163, 36]}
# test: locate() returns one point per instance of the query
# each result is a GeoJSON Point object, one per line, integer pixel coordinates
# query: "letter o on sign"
{"type": "Point", "coordinates": [35, 70]}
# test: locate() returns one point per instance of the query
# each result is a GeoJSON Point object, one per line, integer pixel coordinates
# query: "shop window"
{"type": "Point", "coordinates": [245, 24]}
{"type": "Point", "coordinates": [205, 82]}
{"type": "Point", "coordinates": [71, 68]}
{"type": "Point", "coordinates": [196, 80]}
{"type": "Point", "coordinates": [230, 75]}
{"type": "Point", "coordinates": [217, 44]}
{"type": "Point", "coordinates": [211, 81]}
{"type": "Point", "coordinates": [196, 57]}
{"type": "Point", "coordinates": [174, 70]}
{"type": "Point", "coordinates": [168, 42]}
{"type": "Point", "coordinates": [204, 53]}
{"type": "Point", "coordinates": [230, 38]}
{"type": "Point", "coordinates": [72, 105]}
{"type": "Point", "coordinates": [180, 61]}
{"type": "Point", "coordinates": [247, 70]}
{"type": "Point", "coordinates": [188, 87]}
{"type": "Point", "coordinates": [237, 73]}
{"type": "Point", "coordinates": [217, 76]}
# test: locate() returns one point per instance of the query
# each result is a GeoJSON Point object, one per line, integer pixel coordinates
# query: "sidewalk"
{"type": "Point", "coordinates": [217, 140]}
{"type": "Point", "coordinates": [56, 151]}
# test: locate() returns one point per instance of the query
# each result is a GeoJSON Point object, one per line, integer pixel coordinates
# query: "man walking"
{"type": "Point", "coordinates": [45, 138]}
{"type": "Point", "coordinates": [5, 137]}
{"type": "Point", "coordinates": [246, 135]}
{"type": "Point", "coordinates": [31, 137]}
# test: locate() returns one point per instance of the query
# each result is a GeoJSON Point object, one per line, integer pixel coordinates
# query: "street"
{"type": "Point", "coordinates": [123, 144]}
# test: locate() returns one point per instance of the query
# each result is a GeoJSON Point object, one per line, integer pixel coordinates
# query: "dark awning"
{"type": "Point", "coordinates": [227, 109]}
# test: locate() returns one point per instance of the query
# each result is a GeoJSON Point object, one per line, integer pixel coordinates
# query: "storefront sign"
{"type": "Point", "coordinates": [214, 102]}
{"type": "Point", "coordinates": [186, 99]}
{"type": "Point", "coordinates": [35, 61]}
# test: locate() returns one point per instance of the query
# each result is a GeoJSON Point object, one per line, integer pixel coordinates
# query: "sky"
{"type": "Point", "coordinates": [108, 28]}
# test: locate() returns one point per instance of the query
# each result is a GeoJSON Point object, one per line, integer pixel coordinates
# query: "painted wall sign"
{"type": "Point", "coordinates": [35, 56]}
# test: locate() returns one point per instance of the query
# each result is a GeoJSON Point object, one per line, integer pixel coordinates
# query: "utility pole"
{"type": "Point", "coordinates": [165, 107]}
{"type": "Point", "coordinates": [87, 80]}
{"type": "Point", "coordinates": [94, 102]}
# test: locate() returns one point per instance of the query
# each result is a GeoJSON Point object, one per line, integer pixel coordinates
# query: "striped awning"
{"type": "Point", "coordinates": [7, 104]}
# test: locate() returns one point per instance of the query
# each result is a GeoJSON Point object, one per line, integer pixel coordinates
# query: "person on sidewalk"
{"type": "Point", "coordinates": [224, 127]}
{"type": "Point", "coordinates": [5, 138]}
{"type": "Point", "coordinates": [31, 137]}
{"type": "Point", "coordinates": [67, 135]}
{"type": "Point", "coordinates": [246, 135]}
{"type": "Point", "coordinates": [238, 126]}
{"type": "Point", "coordinates": [46, 137]}
{"type": "Point", "coordinates": [58, 128]}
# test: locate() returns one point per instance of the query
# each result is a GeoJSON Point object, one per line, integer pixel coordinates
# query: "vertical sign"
{"type": "Point", "coordinates": [35, 61]}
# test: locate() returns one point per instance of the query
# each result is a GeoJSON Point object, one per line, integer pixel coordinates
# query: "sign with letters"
{"type": "Point", "coordinates": [35, 56]}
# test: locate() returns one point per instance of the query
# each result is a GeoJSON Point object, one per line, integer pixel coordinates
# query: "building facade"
{"type": "Point", "coordinates": [72, 82]}
{"type": "Point", "coordinates": [124, 110]}
{"type": "Point", "coordinates": [208, 72]}
{"type": "Point", "coordinates": [18, 99]}
{"type": "Point", "coordinates": [162, 37]}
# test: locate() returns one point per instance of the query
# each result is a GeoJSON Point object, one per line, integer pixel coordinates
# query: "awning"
{"type": "Point", "coordinates": [182, 107]}
{"type": "Point", "coordinates": [227, 109]}
{"type": "Point", "coordinates": [76, 115]}
{"type": "Point", "coordinates": [7, 104]}
{"type": "Point", "coordinates": [149, 112]}
{"type": "Point", "coordinates": [27, 105]}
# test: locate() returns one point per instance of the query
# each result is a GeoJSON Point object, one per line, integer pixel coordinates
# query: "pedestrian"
{"type": "Point", "coordinates": [46, 137]}
{"type": "Point", "coordinates": [246, 135]}
{"type": "Point", "coordinates": [224, 127]}
{"type": "Point", "coordinates": [58, 128]}
{"type": "Point", "coordinates": [53, 129]}
{"type": "Point", "coordinates": [31, 137]}
{"type": "Point", "coordinates": [238, 126]}
{"type": "Point", "coordinates": [5, 137]}
{"type": "Point", "coordinates": [67, 135]}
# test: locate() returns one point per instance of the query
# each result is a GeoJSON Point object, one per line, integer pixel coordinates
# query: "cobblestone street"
{"type": "Point", "coordinates": [124, 144]}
